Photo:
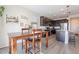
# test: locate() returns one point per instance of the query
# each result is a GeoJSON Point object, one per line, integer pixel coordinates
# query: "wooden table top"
{"type": "Point", "coordinates": [16, 34]}
{"type": "Point", "coordinates": [19, 35]}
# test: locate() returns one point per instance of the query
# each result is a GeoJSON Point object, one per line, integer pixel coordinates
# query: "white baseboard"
{"type": "Point", "coordinates": [8, 45]}
{"type": "Point", "coordinates": [3, 46]}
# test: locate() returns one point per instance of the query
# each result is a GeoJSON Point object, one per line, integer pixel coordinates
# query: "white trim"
{"type": "Point", "coordinates": [66, 37]}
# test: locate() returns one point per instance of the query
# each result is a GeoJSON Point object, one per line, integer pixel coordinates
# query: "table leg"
{"type": "Point", "coordinates": [46, 39]}
{"type": "Point", "coordinates": [14, 46]}
{"type": "Point", "coordinates": [40, 42]}
{"type": "Point", "coordinates": [33, 45]}
{"type": "Point", "coordinates": [10, 45]}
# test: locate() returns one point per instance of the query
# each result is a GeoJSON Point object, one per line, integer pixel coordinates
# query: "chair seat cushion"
{"type": "Point", "coordinates": [36, 39]}
{"type": "Point", "coordinates": [30, 39]}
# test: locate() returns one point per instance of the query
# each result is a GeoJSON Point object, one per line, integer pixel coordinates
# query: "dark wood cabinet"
{"type": "Point", "coordinates": [44, 21]}
{"type": "Point", "coordinates": [41, 20]}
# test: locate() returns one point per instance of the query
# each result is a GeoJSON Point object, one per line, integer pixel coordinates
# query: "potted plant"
{"type": "Point", "coordinates": [1, 10]}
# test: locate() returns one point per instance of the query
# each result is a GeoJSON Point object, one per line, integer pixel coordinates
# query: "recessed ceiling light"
{"type": "Point", "coordinates": [54, 15]}
{"type": "Point", "coordinates": [61, 9]}
{"type": "Point", "coordinates": [64, 13]}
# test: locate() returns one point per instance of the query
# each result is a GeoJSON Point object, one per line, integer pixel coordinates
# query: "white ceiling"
{"type": "Point", "coordinates": [53, 11]}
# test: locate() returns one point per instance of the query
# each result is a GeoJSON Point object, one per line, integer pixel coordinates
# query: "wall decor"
{"type": "Point", "coordinates": [24, 17]}
{"type": "Point", "coordinates": [1, 10]}
{"type": "Point", "coordinates": [12, 19]}
{"type": "Point", "coordinates": [34, 25]}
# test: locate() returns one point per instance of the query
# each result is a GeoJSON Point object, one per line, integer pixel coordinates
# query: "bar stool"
{"type": "Point", "coordinates": [72, 37]}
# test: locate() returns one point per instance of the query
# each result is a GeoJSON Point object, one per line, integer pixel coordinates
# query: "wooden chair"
{"type": "Point", "coordinates": [37, 38]}
{"type": "Point", "coordinates": [24, 31]}
{"type": "Point", "coordinates": [25, 43]}
{"type": "Point", "coordinates": [32, 40]}
{"type": "Point", "coordinates": [37, 35]}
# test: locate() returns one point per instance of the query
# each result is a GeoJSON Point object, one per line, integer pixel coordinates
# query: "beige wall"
{"type": "Point", "coordinates": [6, 28]}
{"type": "Point", "coordinates": [74, 24]}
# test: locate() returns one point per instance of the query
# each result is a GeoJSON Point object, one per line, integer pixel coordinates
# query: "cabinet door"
{"type": "Point", "coordinates": [60, 36]}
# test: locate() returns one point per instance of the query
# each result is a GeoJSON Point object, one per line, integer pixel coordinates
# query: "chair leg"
{"type": "Point", "coordinates": [34, 45]}
{"type": "Point", "coordinates": [74, 42]}
{"type": "Point", "coordinates": [22, 44]}
{"type": "Point", "coordinates": [40, 46]}
{"type": "Point", "coordinates": [26, 46]}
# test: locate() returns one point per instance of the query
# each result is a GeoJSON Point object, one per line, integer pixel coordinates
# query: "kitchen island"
{"type": "Point", "coordinates": [62, 35]}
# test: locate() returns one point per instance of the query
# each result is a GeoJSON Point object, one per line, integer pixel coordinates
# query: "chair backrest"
{"type": "Point", "coordinates": [38, 31]}
{"type": "Point", "coordinates": [71, 36]}
{"type": "Point", "coordinates": [25, 30]}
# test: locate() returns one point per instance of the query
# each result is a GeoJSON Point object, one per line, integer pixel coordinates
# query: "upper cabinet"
{"type": "Point", "coordinates": [44, 21]}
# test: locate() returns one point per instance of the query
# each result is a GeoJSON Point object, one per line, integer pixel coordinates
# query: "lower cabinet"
{"type": "Point", "coordinates": [60, 35]}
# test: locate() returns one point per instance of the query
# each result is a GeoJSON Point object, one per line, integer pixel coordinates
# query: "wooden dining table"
{"type": "Point", "coordinates": [13, 37]}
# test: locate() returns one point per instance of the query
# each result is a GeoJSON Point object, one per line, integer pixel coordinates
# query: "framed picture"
{"type": "Point", "coordinates": [24, 17]}
{"type": "Point", "coordinates": [11, 19]}
{"type": "Point", "coordinates": [23, 21]}
{"type": "Point", "coordinates": [34, 25]}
